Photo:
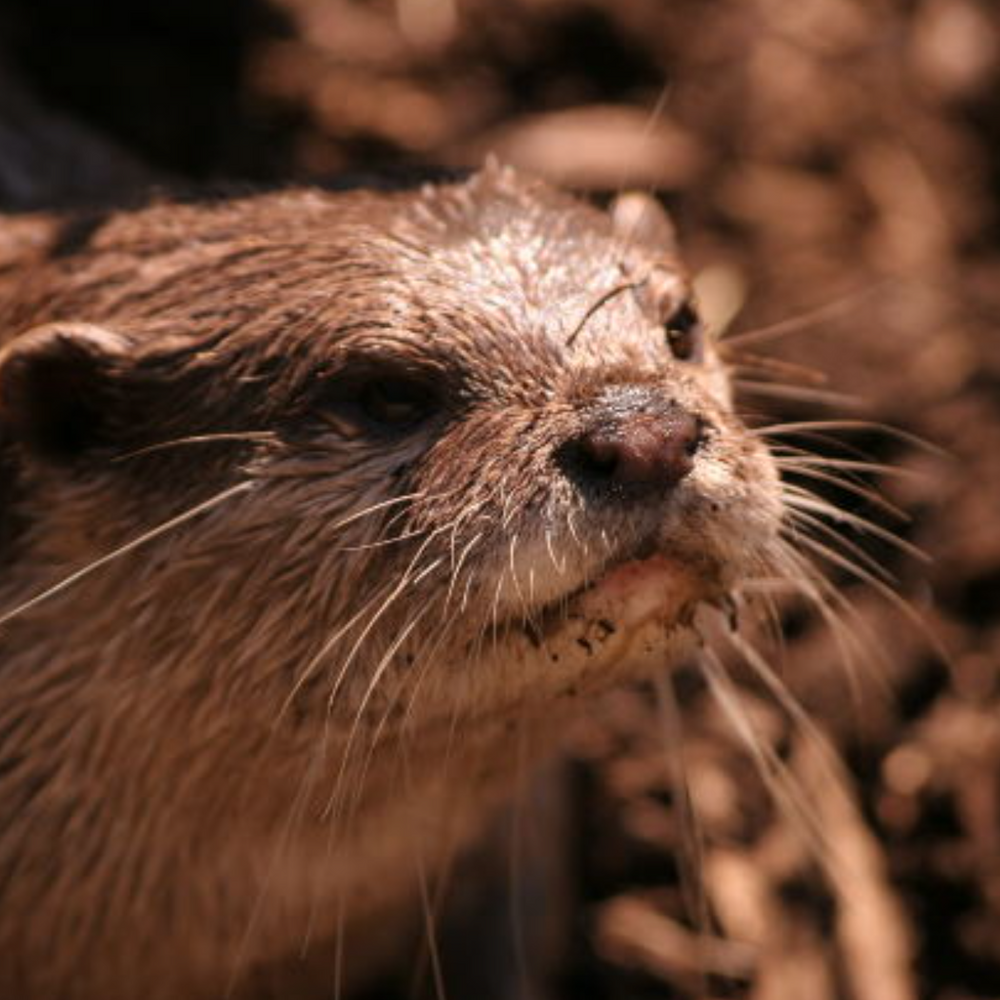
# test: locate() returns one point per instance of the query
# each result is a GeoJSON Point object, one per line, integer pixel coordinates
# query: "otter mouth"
{"type": "Point", "coordinates": [629, 593]}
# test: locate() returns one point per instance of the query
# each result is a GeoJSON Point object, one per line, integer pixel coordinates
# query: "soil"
{"type": "Point", "coordinates": [834, 168]}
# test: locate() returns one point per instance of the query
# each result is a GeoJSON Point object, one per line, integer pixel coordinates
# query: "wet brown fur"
{"type": "Point", "coordinates": [216, 747]}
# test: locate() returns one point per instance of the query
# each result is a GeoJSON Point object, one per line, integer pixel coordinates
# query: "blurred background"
{"type": "Point", "coordinates": [834, 170]}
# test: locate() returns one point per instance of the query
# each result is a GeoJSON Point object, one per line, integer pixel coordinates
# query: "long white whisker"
{"type": "Point", "coordinates": [809, 527]}
{"type": "Point", "coordinates": [806, 321]}
{"type": "Point", "coordinates": [798, 426]}
{"type": "Point", "coordinates": [825, 552]}
{"type": "Point", "coordinates": [692, 842]}
{"type": "Point", "coordinates": [852, 486]}
{"type": "Point", "coordinates": [788, 456]}
{"type": "Point", "coordinates": [771, 768]}
{"type": "Point", "coordinates": [759, 387]}
{"type": "Point", "coordinates": [123, 550]}
{"type": "Point", "coordinates": [800, 500]}
{"type": "Point", "coordinates": [232, 436]}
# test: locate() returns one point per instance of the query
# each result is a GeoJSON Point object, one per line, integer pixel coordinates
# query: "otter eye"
{"type": "Point", "coordinates": [396, 402]}
{"type": "Point", "coordinates": [684, 334]}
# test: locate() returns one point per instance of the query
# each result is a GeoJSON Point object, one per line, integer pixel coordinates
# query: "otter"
{"type": "Point", "coordinates": [316, 507]}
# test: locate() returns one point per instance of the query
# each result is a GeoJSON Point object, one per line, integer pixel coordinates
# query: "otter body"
{"type": "Point", "coordinates": [318, 510]}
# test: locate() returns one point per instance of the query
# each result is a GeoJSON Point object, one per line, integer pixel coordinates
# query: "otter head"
{"type": "Point", "coordinates": [421, 453]}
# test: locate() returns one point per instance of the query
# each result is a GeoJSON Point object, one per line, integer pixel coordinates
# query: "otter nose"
{"type": "Point", "coordinates": [640, 450]}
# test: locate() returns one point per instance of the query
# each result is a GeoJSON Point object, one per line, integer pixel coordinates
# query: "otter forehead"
{"type": "Point", "coordinates": [533, 250]}
{"type": "Point", "coordinates": [495, 255]}
{"type": "Point", "coordinates": [521, 275]}
{"type": "Point", "coordinates": [246, 307]}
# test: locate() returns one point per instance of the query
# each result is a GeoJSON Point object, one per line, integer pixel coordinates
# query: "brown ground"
{"type": "Point", "coordinates": [814, 151]}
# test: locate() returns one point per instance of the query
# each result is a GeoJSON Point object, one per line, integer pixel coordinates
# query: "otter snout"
{"type": "Point", "coordinates": [635, 441]}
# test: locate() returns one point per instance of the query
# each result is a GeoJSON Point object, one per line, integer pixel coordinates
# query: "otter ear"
{"type": "Point", "coordinates": [639, 218]}
{"type": "Point", "coordinates": [57, 384]}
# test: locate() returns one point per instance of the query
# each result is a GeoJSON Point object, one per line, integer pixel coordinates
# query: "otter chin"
{"type": "Point", "coordinates": [638, 591]}
{"type": "Point", "coordinates": [313, 507]}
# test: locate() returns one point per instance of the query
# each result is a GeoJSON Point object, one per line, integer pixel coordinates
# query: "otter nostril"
{"type": "Point", "coordinates": [599, 455]}
{"type": "Point", "coordinates": [643, 449]}
{"type": "Point", "coordinates": [692, 435]}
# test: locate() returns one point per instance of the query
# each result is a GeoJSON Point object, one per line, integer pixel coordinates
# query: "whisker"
{"type": "Point", "coordinates": [268, 436]}
{"type": "Point", "coordinates": [598, 304]}
{"type": "Point", "coordinates": [741, 360]}
{"type": "Point", "coordinates": [339, 633]}
{"type": "Point", "coordinates": [825, 598]}
{"type": "Point", "coordinates": [405, 582]}
{"type": "Point", "coordinates": [848, 485]}
{"type": "Point", "coordinates": [382, 543]}
{"type": "Point", "coordinates": [457, 570]}
{"type": "Point", "coordinates": [123, 550]}
{"type": "Point", "coordinates": [772, 770]}
{"type": "Point", "coordinates": [794, 427]}
{"type": "Point", "coordinates": [803, 500]}
{"type": "Point", "coordinates": [407, 579]}
{"type": "Point", "coordinates": [369, 693]}
{"type": "Point", "coordinates": [809, 527]}
{"type": "Point", "coordinates": [524, 601]}
{"type": "Point", "coordinates": [560, 568]}
{"type": "Point", "coordinates": [825, 552]}
{"type": "Point", "coordinates": [777, 390]}
{"type": "Point", "coordinates": [692, 843]}
{"type": "Point", "coordinates": [333, 811]}
{"type": "Point", "coordinates": [842, 446]}
{"type": "Point", "coordinates": [295, 815]}
{"type": "Point", "coordinates": [784, 697]}
{"type": "Point", "coordinates": [324, 650]}
{"type": "Point", "coordinates": [854, 569]}
{"type": "Point", "coordinates": [796, 458]}
{"type": "Point", "coordinates": [420, 495]}
{"type": "Point", "coordinates": [806, 321]}
{"type": "Point", "coordinates": [337, 806]}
